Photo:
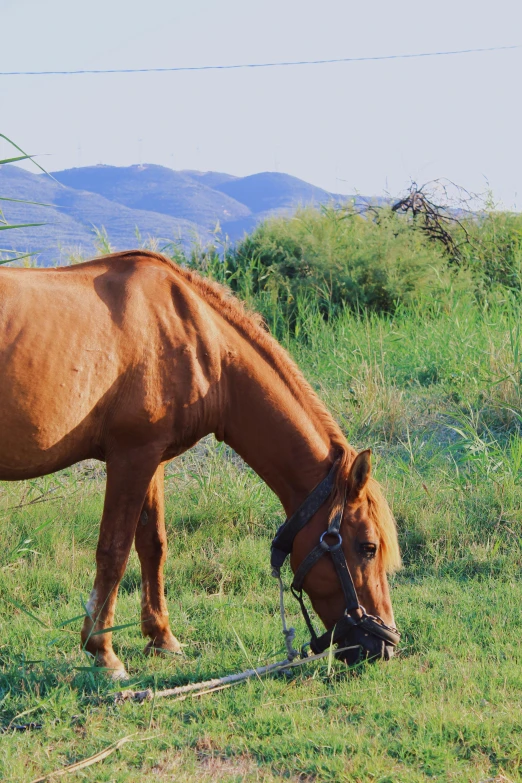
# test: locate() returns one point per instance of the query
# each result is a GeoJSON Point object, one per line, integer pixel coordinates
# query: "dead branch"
{"type": "Point", "coordinates": [434, 219]}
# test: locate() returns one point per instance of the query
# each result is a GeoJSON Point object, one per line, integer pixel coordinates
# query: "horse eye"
{"type": "Point", "coordinates": [368, 550]}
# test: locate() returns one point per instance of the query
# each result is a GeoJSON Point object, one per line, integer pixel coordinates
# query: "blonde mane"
{"type": "Point", "coordinates": [251, 326]}
{"type": "Point", "coordinates": [382, 518]}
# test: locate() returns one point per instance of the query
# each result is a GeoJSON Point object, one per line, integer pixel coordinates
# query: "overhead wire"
{"type": "Point", "coordinates": [280, 64]}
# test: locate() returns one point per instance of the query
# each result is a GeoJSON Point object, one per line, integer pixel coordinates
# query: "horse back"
{"type": "Point", "coordinates": [119, 346]}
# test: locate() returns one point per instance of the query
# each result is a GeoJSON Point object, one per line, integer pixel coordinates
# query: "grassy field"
{"type": "Point", "coordinates": [436, 392]}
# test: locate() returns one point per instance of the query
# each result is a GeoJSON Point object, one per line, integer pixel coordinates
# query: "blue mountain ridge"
{"type": "Point", "coordinates": [160, 203]}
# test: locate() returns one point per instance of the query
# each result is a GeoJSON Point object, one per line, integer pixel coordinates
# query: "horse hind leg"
{"type": "Point", "coordinates": [127, 483]}
{"type": "Point", "coordinates": [151, 545]}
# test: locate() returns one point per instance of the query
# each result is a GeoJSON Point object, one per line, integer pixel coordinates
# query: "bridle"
{"type": "Point", "coordinates": [368, 632]}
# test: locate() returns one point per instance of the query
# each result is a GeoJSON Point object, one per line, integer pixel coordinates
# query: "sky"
{"type": "Point", "coordinates": [368, 127]}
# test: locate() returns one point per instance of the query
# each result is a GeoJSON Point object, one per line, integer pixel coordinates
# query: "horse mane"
{"type": "Point", "coordinates": [382, 517]}
{"type": "Point", "coordinates": [252, 326]}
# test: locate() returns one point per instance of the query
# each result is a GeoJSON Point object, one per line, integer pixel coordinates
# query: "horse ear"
{"type": "Point", "coordinates": [359, 474]}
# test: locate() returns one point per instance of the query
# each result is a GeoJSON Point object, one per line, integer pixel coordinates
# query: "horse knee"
{"type": "Point", "coordinates": [113, 559]}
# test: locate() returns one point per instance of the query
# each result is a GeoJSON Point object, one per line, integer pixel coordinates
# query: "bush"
{"type": "Point", "coordinates": [493, 252]}
{"type": "Point", "coordinates": [318, 262]}
{"type": "Point", "coordinates": [324, 261]}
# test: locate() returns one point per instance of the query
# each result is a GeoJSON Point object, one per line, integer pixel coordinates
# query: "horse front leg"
{"type": "Point", "coordinates": [128, 477]}
{"type": "Point", "coordinates": [151, 545]}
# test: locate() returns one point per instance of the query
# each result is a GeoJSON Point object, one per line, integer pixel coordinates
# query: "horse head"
{"type": "Point", "coordinates": [341, 558]}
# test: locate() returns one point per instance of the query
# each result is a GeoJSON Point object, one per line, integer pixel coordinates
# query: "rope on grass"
{"type": "Point", "coordinates": [218, 682]}
{"type": "Point", "coordinates": [288, 633]}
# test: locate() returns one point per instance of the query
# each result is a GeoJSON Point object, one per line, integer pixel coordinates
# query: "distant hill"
{"type": "Point", "coordinates": [271, 190]}
{"type": "Point", "coordinates": [157, 189]}
{"type": "Point", "coordinates": [69, 223]}
{"type": "Point", "coordinates": [159, 202]}
{"type": "Point", "coordinates": [211, 179]}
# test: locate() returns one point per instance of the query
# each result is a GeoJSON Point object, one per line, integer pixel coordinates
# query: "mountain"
{"type": "Point", "coordinates": [270, 191]}
{"type": "Point", "coordinates": [157, 189]}
{"type": "Point", "coordinates": [161, 203]}
{"type": "Point", "coordinates": [209, 178]}
{"type": "Point", "coordinates": [71, 216]}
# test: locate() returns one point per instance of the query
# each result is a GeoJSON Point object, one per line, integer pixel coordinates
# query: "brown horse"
{"type": "Point", "coordinates": [131, 359]}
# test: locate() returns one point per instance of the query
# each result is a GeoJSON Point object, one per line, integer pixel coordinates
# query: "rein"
{"type": "Point", "coordinates": [367, 631]}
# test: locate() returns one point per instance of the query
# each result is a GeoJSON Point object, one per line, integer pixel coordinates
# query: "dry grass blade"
{"type": "Point", "coordinates": [88, 762]}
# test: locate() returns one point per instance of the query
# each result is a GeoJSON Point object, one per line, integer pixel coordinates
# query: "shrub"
{"type": "Point", "coordinates": [324, 261]}
{"type": "Point", "coordinates": [493, 252]}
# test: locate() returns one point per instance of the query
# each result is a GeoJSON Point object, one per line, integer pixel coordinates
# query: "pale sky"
{"type": "Point", "coordinates": [356, 127]}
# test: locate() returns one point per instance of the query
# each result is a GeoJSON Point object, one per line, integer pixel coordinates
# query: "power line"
{"type": "Point", "coordinates": [259, 65]}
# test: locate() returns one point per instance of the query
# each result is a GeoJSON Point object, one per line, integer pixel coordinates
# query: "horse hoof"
{"type": "Point", "coordinates": [118, 674]}
{"type": "Point", "coordinates": [108, 663]}
{"type": "Point", "coordinates": [167, 646]}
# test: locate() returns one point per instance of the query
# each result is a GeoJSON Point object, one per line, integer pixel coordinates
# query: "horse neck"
{"type": "Point", "coordinates": [284, 441]}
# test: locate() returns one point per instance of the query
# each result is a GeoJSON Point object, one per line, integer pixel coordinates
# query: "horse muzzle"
{"type": "Point", "coordinates": [366, 638]}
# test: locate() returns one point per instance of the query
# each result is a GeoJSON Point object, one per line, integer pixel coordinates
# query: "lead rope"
{"type": "Point", "coordinates": [288, 633]}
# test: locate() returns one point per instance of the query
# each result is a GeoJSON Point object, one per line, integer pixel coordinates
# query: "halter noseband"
{"type": "Point", "coordinates": [367, 631]}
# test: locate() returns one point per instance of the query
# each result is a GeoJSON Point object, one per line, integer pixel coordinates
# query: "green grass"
{"type": "Point", "coordinates": [436, 392]}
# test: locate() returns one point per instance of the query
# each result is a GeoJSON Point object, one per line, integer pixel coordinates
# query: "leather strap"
{"type": "Point", "coordinates": [334, 549]}
{"type": "Point", "coordinates": [345, 578]}
{"type": "Point", "coordinates": [284, 538]}
{"type": "Point", "coordinates": [308, 563]}
{"type": "Point", "coordinates": [347, 625]}
{"type": "Point", "coordinates": [299, 597]}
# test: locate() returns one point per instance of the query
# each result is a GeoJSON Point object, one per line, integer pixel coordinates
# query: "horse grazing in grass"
{"type": "Point", "coordinates": [131, 359]}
